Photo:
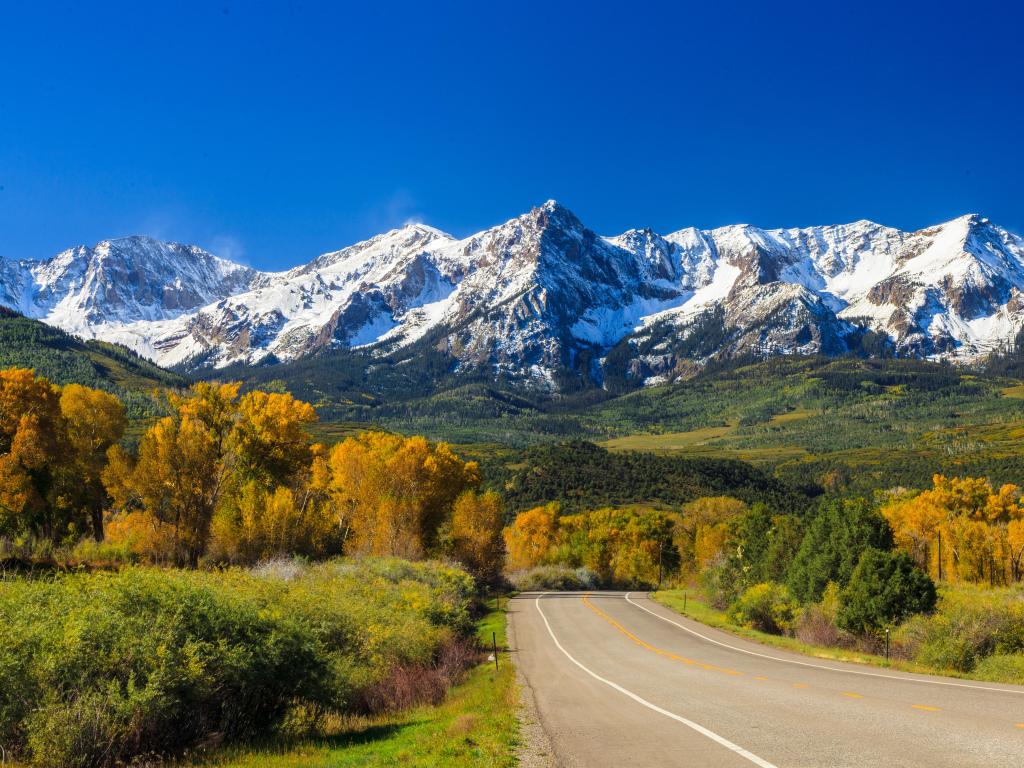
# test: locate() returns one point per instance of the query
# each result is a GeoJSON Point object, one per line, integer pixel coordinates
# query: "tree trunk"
{"type": "Point", "coordinates": [97, 524]}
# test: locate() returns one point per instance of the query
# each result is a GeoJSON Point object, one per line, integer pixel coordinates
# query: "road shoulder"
{"type": "Point", "coordinates": [535, 748]}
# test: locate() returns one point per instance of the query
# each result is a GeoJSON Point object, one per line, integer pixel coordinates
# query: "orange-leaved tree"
{"type": "Point", "coordinates": [703, 529]}
{"type": "Point", "coordinates": [531, 536]}
{"type": "Point", "coordinates": [52, 449]}
{"type": "Point", "coordinates": [476, 540]}
{"type": "Point", "coordinates": [194, 464]}
{"type": "Point", "coordinates": [95, 421]}
{"type": "Point", "coordinates": [392, 493]}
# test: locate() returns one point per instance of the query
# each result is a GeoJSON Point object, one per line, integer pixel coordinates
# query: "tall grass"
{"type": "Point", "coordinates": [97, 669]}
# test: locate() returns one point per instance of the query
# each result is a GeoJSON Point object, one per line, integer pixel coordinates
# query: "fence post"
{"type": "Point", "coordinates": [494, 645]}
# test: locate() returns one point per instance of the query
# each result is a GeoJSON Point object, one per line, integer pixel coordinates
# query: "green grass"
{"type": "Point", "coordinates": [1016, 391]}
{"type": "Point", "coordinates": [999, 670]}
{"type": "Point", "coordinates": [475, 726]}
{"type": "Point", "coordinates": [668, 441]}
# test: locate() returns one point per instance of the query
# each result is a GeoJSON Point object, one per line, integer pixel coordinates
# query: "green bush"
{"type": "Point", "coordinates": [970, 625]}
{"type": "Point", "coordinates": [722, 581]}
{"type": "Point", "coordinates": [767, 607]}
{"type": "Point", "coordinates": [96, 669]}
{"type": "Point", "coordinates": [885, 588]}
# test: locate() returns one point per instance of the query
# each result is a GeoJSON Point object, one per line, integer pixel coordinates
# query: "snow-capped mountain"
{"type": "Point", "coordinates": [121, 290]}
{"type": "Point", "coordinates": [542, 294]}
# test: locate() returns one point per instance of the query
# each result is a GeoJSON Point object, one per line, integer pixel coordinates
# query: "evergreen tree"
{"type": "Point", "coordinates": [885, 588]}
{"type": "Point", "coordinates": [835, 539]}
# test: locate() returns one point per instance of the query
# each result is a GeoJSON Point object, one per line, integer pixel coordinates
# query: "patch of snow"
{"type": "Point", "coordinates": [373, 331]}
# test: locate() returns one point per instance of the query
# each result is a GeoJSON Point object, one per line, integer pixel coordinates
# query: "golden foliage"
{"type": "Point", "coordinates": [53, 443]}
{"type": "Point", "coordinates": [392, 493]}
{"type": "Point", "coordinates": [703, 529]}
{"type": "Point", "coordinates": [95, 421]}
{"type": "Point", "coordinates": [962, 529]}
{"type": "Point", "coordinates": [629, 546]}
{"type": "Point", "coordinates": [528, 541]}
{"type": "Point", "coordinates": [238, 470]}
{"type": "Point", "coordinates": [260, 524]}
{"type": "Point", "coordinates": [221, 454]}
{"type": "Point", "coordinates": [144, 535]}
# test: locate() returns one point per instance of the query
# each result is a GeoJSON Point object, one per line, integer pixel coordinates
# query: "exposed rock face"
{"type": "Point", "coordinates": [541, 294]}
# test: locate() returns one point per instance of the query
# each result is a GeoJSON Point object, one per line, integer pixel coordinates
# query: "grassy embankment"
{"type": "Point", "coordinates": [953, 642]}
{"type": "Point", "coordinates": [475, 726]}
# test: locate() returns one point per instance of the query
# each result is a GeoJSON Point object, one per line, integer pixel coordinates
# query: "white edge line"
{"type": "Point", "coordinates": [688, 723]}
{"type": "Point", "coordinates": [821, 666]}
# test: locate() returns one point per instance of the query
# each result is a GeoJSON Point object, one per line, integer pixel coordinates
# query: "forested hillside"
{"type": "Point", "coordinates": [65, 359]}
{"type": "Point", "coordinates": [848, 423]}
{"type": "Point", "coordinates": [582, 475]}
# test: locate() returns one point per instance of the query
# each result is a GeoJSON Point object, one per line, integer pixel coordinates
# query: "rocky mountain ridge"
{"type": "Point", "coordinates": [543, 294]}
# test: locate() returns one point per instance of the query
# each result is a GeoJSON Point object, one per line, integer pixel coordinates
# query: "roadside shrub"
{"type": "Point", "coordinates": [1002, 667]}
{"type": "Point", "coordinates": [97, 669]}
{"type": "Point", "coordinates": [767, 607]}
{"type": "Point", "coordinates": [970, 625]}
{"type": "Point", "coordinates": [554, 577]}
{"type": "Point", "coordinates": [885, 588]}
{"type": "Point", "coordinates": [721, 581]}
{"type": "Point", "coordinates": [816, 623]}
{"type": "Point", "coordinates": [409, 685]}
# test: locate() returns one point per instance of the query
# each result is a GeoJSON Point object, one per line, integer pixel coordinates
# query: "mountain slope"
{"type": "Point", "coordinates": [543, 299]}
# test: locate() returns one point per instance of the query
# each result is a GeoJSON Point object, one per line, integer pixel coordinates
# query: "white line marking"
{"type": "Point", "coordinates": [688, 723]}
{"type": "Point", "coordinates": [820, 666]}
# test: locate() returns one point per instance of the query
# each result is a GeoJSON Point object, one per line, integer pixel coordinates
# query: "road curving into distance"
{"type": "Point", "coordinates": [619, 680]}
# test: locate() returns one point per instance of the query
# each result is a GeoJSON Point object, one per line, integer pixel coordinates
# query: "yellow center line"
{"type": "Point", "coordinates": [799, 685]}
{"type": "Point", "coordinates": [760, 677]}
{"type": "Point", "coordinates": [852, 695]}
{"type": "Point", "coordinates": [925, 708]}
{"type": "Point", "coordinates": [653, 649]}
{"type": "Point", "coordinates": [1020, 725]}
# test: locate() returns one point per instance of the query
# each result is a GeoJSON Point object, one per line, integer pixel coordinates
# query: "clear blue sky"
{"type": "Point", "coordinates": [275, 131]}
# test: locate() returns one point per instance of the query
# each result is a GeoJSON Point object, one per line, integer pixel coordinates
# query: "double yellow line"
{"type": "Point", "coordinates": [655, 649]}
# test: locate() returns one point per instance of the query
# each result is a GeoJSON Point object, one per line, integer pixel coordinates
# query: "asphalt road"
{"type": "Point", "coordinates": [619, 680]}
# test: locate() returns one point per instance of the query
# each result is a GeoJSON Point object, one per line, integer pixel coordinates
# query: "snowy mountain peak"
{"type": "Point", "coordinates": [542, 293]}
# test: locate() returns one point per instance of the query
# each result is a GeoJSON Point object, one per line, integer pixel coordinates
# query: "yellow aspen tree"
{"type": "Point", "coordinates": [95, 421]}
{"type": "Point", "coordinates": [531, 536]}
{"type": "Point", "coordinates": [476, 534]}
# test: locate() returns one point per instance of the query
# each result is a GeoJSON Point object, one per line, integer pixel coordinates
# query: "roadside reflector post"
{"type": "Point", "coordinates": [494, 645]}
{"type": "Point", "coordinates": [684, 602]}
{"type": "Point", "coordinates": [886, 643]}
